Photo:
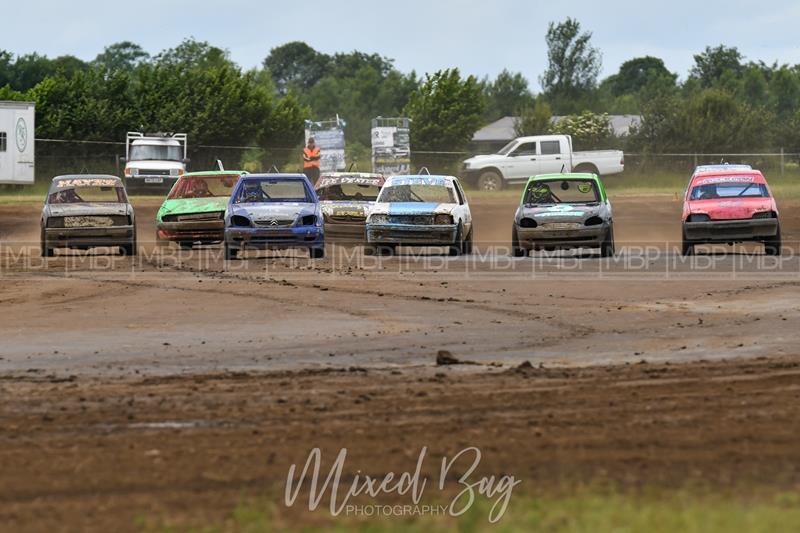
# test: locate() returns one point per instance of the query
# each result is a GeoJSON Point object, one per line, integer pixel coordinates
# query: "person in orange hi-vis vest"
{"type": "Point", "coordinates": [311, 159]}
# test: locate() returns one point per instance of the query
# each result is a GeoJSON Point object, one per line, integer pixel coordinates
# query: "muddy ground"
{"type": "Point", "coordinates": [173, 385]}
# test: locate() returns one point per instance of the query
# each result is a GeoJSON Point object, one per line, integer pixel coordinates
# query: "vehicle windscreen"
{"type": "Point", "coordinates": [203, 187]}
{"type": "Point", "coordinates": [731, 189]}
{"type": "Point", "coordinates": [273, 190]}
{"type": "Point", "coordinates": [84, 194]}
{"type": "Point", "coordinates": [155, 152]}
{"type": "Point", "coordinates": [349, 192]}
{"type": "Point", "coordinates": [507, 148]}
{"type": "Point", "coordinates": [562, 192]}
{"type": "Point", "coordinates": [440, 194]}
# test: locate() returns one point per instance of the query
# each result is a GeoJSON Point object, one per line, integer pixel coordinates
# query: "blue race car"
{"type": "Point", "coordinates": [274, 211]}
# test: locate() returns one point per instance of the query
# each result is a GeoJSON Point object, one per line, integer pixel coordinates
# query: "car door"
{"type": "Point", "coordinates": [522, 162]}
{"type": "Point", "coordinates": [552, 157]}
{"type": "Point", "coordinates": [462, 212]}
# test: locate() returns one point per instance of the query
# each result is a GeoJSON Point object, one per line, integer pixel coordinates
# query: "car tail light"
{"type": "Point", "coordinates": [698, 217]}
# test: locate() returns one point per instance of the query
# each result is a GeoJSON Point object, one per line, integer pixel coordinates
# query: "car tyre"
{"type": "Point", "coordinates": [516, 249]}
{"type": "Point", "coordinates": [490, 180]}
{"type": "Point", "coordinates": [317, 253]}
{"type": "Point", "coordinates": [607, 248]}
{"type": "Point", "coordinates": [466, 247]}
{"type": "Point", "coordinates": [185, 245]}
{"type": "Point", "coordinates": [386, 249]}
{"type": "Point", "coordinates": [129, 249]}
{"type": "Point", "coordinates": [230, 252]}
{"type": "Point", "coordinates": [458, 244]}
{"type": "Point", "coordinates": [772, 246]}
{"type": "Point", "coordinates": [46, 252]}
{"type": "Point", "coordinates": [687, 246]}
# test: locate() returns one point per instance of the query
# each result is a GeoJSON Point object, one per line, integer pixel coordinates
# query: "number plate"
{"type": "Point", "coordinates": [154, 180]}
{"type": "Point", "coordinates": [563, 225]}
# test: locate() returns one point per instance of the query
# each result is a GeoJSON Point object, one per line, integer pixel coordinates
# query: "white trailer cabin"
{"type": "Point", "coordinates": [17, 142]}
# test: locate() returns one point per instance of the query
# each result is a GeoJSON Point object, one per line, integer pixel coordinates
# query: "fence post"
{"type": "Point", "coordinates": [782, 161]}
{"type": "Point", "coordinates": [695, 160]}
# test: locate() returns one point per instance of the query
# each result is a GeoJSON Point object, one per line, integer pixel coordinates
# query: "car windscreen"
{"type": "Point", "coordinates": [77, 195]}
{"type": "Point", "coordinates": [560, 191]}
{"type": "Point", "coordinates": [352, 192]}
{"type": "Point", "coordinates": [507, 148]}
{"type": "Point", "coordinates": [203, 187]}
{"type": "Point", "coordinates": [441, 194]}
{"type": "Point", "coordinates": [731, 189]}
{"type": "Point", "coordinates": [155, 152]}
{"type": "Point", "coordinates": [273, 190]}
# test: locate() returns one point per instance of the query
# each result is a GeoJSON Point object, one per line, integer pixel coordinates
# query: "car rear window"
{"type": "Point", "coordinates": [728, 187]}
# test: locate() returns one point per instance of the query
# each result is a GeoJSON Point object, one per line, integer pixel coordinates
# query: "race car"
{"type": "Point", "coordinates": [728, 206]}
{"type": "Point", "coordinates": [420, 210]}
{"type": "Point", "coordinates": [274, 211]}
{"type": "Point", "coordinates": [563, 211]}
{"type": "Point", "coordinates": [87, 211]}
{"type": "Point", "coordinates": [345, 198]}
{"type": "Point", "coordinates": [195, 208]}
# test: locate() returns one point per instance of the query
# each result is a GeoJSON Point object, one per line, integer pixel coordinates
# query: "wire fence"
{"type": "Point", "coordinates": [56, 156]}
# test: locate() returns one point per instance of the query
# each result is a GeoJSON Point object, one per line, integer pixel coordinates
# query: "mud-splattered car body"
{"type": "Point", "coordinates": [87, 211]}
{"type": "Point", "coordinates": [727, 206]}
{"type": "Point", "coordinates": [420, 210]}
{"type": "Point", "coordinates": [194, 210]}
{"type": "Point", "coordinates": [563, 211]}
{"type": "Point", "coordinates": [274, 211]}
{"type": "Point", "coordinates": [345, 199]}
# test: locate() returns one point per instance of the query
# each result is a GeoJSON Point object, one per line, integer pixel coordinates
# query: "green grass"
{"type": "Point", "coordinates": [679, 511]}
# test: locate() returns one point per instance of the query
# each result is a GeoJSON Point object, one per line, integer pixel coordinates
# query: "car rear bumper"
{"type": "Point", "coordinates": [200, 230]}
{"type": "Point", "coordinates": [411, 234]}
{"type": "Point", "coordinates": [105, 236]}
{"type": "Point", "coordinates": [730, 230]}
{"type": "Point", "coordinates": [263, 238]}
{"type": "Point", "coordinates": [590, 236]}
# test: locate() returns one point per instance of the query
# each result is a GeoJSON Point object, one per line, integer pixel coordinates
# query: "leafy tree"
{"type": "Point", "coordinates": [784, 89]}
{"type": "Point", "coordinates": [296, 65]}
{"type": "Point", "coordinates": [534, 119]}
{"type": "Point", "coordinates": [636, 74]}
{"type": "Point", "coordinates": [507, 95]}
{"type": "Point", "coordinates": [711, 64]}
{"type": "Point", "coordinates": [754, 89]}
{"type": "Point", "coordinates": [588, 130]}
{"type": "Point", "coordinates": [573, 64]}
{"type": "Point", "coordinates": [123, 55]}
{"type": "Point", "coordinates": [446, 111]}
{"type": "Point", "coordinates": [191, 53]}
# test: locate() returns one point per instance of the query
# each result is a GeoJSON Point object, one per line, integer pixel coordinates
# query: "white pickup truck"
{"type": "Point", "coordinates": [542, 154]}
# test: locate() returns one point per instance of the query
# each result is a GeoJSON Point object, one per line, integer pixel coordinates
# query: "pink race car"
{"type": "Point", "coordinates": [727, 206]}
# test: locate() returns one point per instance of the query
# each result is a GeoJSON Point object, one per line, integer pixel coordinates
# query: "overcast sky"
{"type": "Point", "coordinates": [480, 37]}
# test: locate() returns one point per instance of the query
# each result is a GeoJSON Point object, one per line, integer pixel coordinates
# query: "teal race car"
{"type": "Point", "coordinates": [194, 211]}
{"type": "Point", "coordinates": [563, 211]}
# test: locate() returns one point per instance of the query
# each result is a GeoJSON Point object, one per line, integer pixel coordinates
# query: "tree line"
{"type": "Point", "coordinates": [725, 102]}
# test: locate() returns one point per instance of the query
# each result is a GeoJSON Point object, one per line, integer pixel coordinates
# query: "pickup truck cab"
{"type": "Point", "coordinates": [541, 154]}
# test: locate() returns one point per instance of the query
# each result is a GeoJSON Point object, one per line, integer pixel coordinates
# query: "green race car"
{"type": "Point", "coordinates": [562, 211]}
{"type": "Point", "coordinates": [194, 211]}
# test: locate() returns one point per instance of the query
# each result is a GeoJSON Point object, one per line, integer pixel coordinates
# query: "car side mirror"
{"type": "Point", "coordinates": [123, 159]}
{"type": "Point", "coordinates": [186, 160]}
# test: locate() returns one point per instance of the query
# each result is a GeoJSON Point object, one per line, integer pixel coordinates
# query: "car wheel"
{"type": "Point", "coordinates": [128, 249]}
{"type": "Point", "coordinates": [316, 253]}
{"type": "Point", "coordinates": [607, 248]}
{"type": "Point", "coordinates": [490, 181]}
{"type": "Point", "coordinates": [687, 247]}
{"type": "Point", "coordinates": [185, 245]}
{"type": "Point", "coordinates": [466, 249]}
{"type": "Point", "coordinates": [516, 249]}
{"type": "Point", "coordinates": [458, 244]}
{"type": "Point", "coordinates": [46, 252]}
{"type": "Point", "coordinates": [772, 246]}
{"type": "Point", "coordinates": [230, 253]}
{"type": "Point", "coordinates": [386, 249]}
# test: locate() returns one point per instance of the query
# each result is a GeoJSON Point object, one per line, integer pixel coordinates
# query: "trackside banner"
{"type": "Point", "coordinates": [391, 146]}
{"type": "Point", "coordinates": [329, 136]}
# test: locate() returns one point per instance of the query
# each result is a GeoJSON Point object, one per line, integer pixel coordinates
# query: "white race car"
{"type": "Point", "coordinates": [420, 210]}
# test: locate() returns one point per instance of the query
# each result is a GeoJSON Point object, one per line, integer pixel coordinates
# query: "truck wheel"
{"type": "Point", "coordinates": [490, 181]}
{"type": "Point", "coordinates": [772, 246]}
{"type": "Point", "coordinates": [607, 248]}
{"type": "Point", "coordinates": [588, 168]}
{"type": "Point", "coordinates": [516, 250]}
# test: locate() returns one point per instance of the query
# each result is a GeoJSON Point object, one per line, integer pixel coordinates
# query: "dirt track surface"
{"type": "Point", "coordinates": [261, 360]}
